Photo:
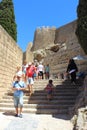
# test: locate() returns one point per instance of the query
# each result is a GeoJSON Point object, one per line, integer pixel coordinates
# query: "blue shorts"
{"type": "Point", "coordinates": [18, 101]}
{"type": "Point", "coordinates": [50, 92]}
{"type": "Point", "coordinates": [30, 81]}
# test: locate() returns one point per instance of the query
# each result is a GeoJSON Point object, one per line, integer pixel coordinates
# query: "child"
{"type": "Point", "coordinates": [49, 90]}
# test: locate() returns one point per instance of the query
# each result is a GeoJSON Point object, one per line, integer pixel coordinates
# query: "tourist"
{"type": "Point", "coordinates": [24, 66]}
{"type": "Point", "coordinates": [34, 70]}
{"type": "Point", "coordinates": [72, 69]}
{"type": "Point", "coordinates": [40, 71]}
{"type": "Point", "coordinates": [49, 90]}
{"type": "Point", "coordinates": [47, 71]}
{"type": "Point", "coordinates": [29, 77]}
{"type": "Point", "coordinates": [18, 86]}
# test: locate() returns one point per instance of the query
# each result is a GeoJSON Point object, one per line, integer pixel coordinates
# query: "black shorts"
{"type": "Point", "coordinates": [40, 73]}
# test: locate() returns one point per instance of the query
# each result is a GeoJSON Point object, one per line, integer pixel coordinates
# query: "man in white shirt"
{"type": "Point", "coordinates": [40, 71]}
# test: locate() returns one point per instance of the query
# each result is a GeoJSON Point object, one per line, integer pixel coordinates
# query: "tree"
{"type": "Point", "coordinates": [7, 18]}
{"type": "Point", "coordinates": [81, 30]}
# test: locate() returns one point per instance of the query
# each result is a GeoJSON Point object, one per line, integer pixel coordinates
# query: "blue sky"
{"type": "Point", "coordinates": [31, 14]}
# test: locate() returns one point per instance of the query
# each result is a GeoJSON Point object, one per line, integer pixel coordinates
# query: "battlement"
{"type": "Point", "coordinates": [45, 28]}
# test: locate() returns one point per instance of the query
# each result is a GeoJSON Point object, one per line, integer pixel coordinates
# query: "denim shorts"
{"type": "Point", "coordinates": [50, 92]}
{"type": "Point", "coordinates": [30, 81]}
{"type": "Point", "coordinates": [18, 101]}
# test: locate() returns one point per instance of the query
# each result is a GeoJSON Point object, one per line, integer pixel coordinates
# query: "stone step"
{"type": "Point", "coordinates": [42, 97]}
{"type": "Point", "coordinates": [36, 111]}
{"type": "Point", "coordinates": [39, 101]}
{"type": "Point", "coordinates": [55, 90]}
{"type": "Point", "coordinates": [56, 83]}
{"type": "Point", "coordinates": [54, 80]}
{"type": "Point", "coordinates": [58, 86]}
{"type": "Point", "coordinates": [38, 106]}
{"type": "Point", "coordinates": [46, 80]}
{"type": "Point", "coordinates": [68, 82]}
{"type": "Point", "coordinates": [57, 93]}
{"type": "Point", "coordinates": [64, 96]}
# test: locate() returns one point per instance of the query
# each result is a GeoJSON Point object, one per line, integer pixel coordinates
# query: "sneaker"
{"type": "Point", "coordinates": [20, 115]}
{"type": "Point", "coordinates": [16, 115]}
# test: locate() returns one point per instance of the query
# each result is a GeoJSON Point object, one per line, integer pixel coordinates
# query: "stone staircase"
{"type": "Point", "coordinates": [64, 97]}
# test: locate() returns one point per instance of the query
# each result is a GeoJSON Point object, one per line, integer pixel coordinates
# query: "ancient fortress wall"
{"type": "Point", "coordinates": [67, 42]}
{"type": "Point", "coordinates": [68, 48]}
{"type": "Point", "coordinates": [43, 37]}
{"type": "Point", "coordinates": [29, 54]}
{"type": "Point", "coordinates": [10, 57]}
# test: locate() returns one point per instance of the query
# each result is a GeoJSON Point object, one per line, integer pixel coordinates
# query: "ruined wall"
{"type": "Point", "coordinates": [10, 57]}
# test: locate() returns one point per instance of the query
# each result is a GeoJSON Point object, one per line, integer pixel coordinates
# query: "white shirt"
{"type": "Point", "coordinates": [40, 68]}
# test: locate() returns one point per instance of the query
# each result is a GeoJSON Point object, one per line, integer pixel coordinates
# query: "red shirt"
{"type": "Point", "coordinates": [49, 87]}
{"type": "Point", "coordinates": [30, 71]}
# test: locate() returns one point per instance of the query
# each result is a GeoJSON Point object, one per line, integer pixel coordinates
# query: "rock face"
{"type": "Point", "coordinates": [55, 46]}
{"type": "Point", "coordinates": [80, 109]}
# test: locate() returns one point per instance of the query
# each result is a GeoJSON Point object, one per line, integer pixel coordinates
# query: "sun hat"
{"type": "Point", "coordinates": [19, 74]}
{"type": "Point", "coordinates": [29, 63]}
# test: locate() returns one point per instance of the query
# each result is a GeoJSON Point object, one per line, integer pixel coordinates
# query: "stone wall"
{"type": "Point", "coordinates": [43, 37]}
{"type": "Point", "coordinates": [10, 57]}
{"type": "Point", "coordinates": [63, 45]}
{"type": "Point", "coordinates": [29, 53]}
{"type": "Point", "coordinates": [68, 48]}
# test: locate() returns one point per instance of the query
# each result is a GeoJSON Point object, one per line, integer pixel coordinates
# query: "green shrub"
{"type": "Point", "coordinates": [81, 30]}
{"type": "Point", "coordinates": [7, 18]}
